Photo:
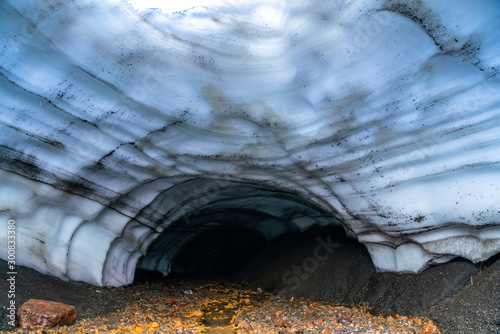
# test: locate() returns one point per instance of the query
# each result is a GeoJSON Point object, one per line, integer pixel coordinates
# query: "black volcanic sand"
{"type": "Point", "coordinates": [89, 300]}
{"type": "Point", "coordinates": [460, 297]}
{"type": "Point", "coordinates": [443, 293]}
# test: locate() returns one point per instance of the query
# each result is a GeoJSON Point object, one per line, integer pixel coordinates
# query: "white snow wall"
{"type": "Point", "coordinates": [385, 114]}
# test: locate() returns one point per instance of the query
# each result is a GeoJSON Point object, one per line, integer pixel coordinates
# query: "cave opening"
{"type": "Point", "coordinates": [218, 251]}
{"type": "Point", "coordinates": [214, 233]}
{"type": "Point", "coordinates": [226, 225]}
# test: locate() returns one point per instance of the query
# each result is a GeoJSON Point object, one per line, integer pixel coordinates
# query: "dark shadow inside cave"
{"type": "Point", "coordinates": [214, 227]}
{"type": "Point", "coordinates": [218, 251]}
{"type": "Point", "coordinates": [240, 254]}
{"type": "Point", "coordinates": [281, 243]}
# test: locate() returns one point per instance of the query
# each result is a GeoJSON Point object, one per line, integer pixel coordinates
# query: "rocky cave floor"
{"type": "Point", "coordinates": [197, 306]}
{"type": "Point", "coordinates": [272, 294]}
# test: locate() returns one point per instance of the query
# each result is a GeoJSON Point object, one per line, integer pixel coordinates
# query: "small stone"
{"type": "Point", "coordinates": [344, 321]}
{"type": "Point", "coordinates": [193, 312]}
{"type": "Point", "coordinates": [244, 325]}
{"type": "Point", "coordinates": [282, 323]}
{"type": "Point", "coordinates": [42, 314]}
{"type": "Point", "coordinates": [430, 328]}
{"type": "Point", "coordinates": [178, 322]}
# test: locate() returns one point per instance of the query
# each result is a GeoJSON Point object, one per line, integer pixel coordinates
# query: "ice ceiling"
{"type": "Point", "coordinates": [126, 132]}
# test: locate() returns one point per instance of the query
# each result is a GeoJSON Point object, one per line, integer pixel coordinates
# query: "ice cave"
{"type": "Point", "coordinates": [134, 131]}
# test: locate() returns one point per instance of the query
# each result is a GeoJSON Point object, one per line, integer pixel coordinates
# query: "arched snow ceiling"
{"type": "Point", "coordinates": [119, 122]}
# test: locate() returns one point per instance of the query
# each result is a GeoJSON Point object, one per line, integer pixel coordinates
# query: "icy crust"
{"type": "Point", "coordinates": [384, 115]}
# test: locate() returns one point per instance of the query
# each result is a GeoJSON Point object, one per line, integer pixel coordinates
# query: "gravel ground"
{"type": "Point", "coordinates": [458, 297]}
{"type": "Point", "coordinates": [442, 293]}
{"type": "Point", "coordinates": [195, 306]}
{"type": "Point", "coordinates": [476, 307]}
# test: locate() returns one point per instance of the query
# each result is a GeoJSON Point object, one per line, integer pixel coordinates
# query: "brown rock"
{"type": "Point", "coordinates": [344, 321]}
{"type": "Point", "coordinates": [430, 328]}
{"type": "Point", "coordinates": [230, 305]}
{"type": "Point", "coordinates": [178, 322]}
{"type": "Point", "coordinates": [282, 323]}
{"type": "Point", "coordinates": [244, 325]}
{"type": "Point", "coordinates": [42, 314]}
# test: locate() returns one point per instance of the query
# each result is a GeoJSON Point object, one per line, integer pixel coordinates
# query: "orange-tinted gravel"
{"type": "Point", "coordinates": [187, 307]}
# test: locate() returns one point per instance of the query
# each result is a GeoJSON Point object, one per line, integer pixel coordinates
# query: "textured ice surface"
{"type": "Point", "coordinates": [116, 121]}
